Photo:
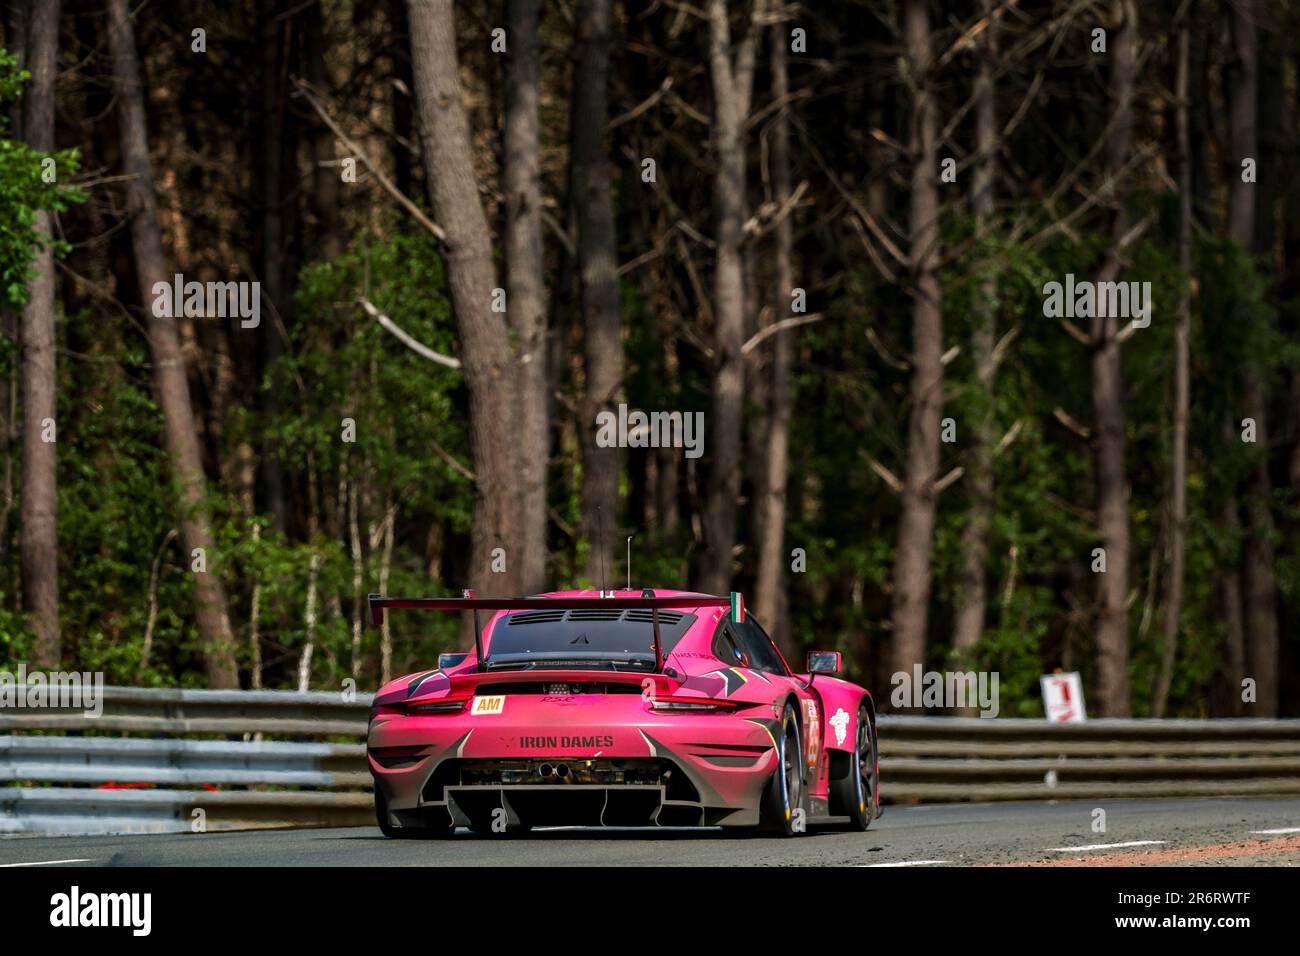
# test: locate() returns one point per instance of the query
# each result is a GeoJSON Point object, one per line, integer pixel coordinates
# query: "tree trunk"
{"type": "Point", "coordinates": [14, 13]}
{"type": "Point", "coordinates": [972, 599]}
{"type": "Point", "coordinates": [771, 547]}
{"type": "Point", "coordinates": [400, 98]}
{"type": "Point", "coordinates": [385, 566]}
{"type": "Point", "coordinates": [1274, 147]}
{"type": "Point", "coordinates": [169, 365]}
{"type": "Point", "coordinates": [255, 621]}
{"type": "Point", "coordinates": [358, 573]}
{"type": "Point", "coordinates": [14, 17]}
{"type": "Point", "coordinates": [1258, 567]}
{"type": "Point", "coordinates": [309, 625]}
{"type": "Point", "coordinates": [325, 174]}
{"type": "Point", "coordinates": [1234, 617]}
{"type": "Point", "coordinates": [487, 361]}
{"type": "Point", "coordinates": [1290, 288]}
{"type": "Point", "coordinates": [598, 279]}
{"type": "Point", "coordinates": [525, 285]}
{"type": "Point", "coordinates": [1108, 395]}
{"type": "Point", "coordinates": [1234, 613]}
{"type": "Point", "coordinates": [272, 248]}
{"type": "Point", "coordinates": [40, 497]}
{"type": "Point", "coordinates": [732, 78]}
{"type": "Point", "coordinates": [879, 156]}
{"type": "Point", "coordinates": [1182, 385]}
{"type": "Point", "coordinates": [1243, 115]}
{"type": "Point", "coordinates": [912, 572]}
{"type": "Point", "coordinates": [668, 461]}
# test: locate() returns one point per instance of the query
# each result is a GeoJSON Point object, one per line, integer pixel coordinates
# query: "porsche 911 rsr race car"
{"type": "Point", "coordinates": [619, 708]}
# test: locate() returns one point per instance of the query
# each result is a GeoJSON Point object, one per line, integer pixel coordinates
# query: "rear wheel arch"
{"type": "Point", "coordinates": [791, 699]}
{"type": "Point", "coordinates": [855, 792]}
{"type": "Point", "coordinates": [863, 701]}
{"type": "Point", "coordinates": [871, 708]}
{"type": "Point", "coordinates": [827, 710]}
{"type": "Point", "coordinates": [784, 794]}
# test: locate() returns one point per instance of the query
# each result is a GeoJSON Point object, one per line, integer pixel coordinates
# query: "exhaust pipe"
{"type": "Point", "coordinates": [562, 771]}
{"type": "Point", "coordinates": [546, 770]}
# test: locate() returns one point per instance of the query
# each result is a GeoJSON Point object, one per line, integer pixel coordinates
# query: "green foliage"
{"type": "Point", "coordinates": [24, 192]}
{"type": "Point", "coordinates": [123, 573]}
{"type": "Point", "coordinates": [115, 510]}
{"type": "Point", "coordinates": [343, 365]}
{"type": "Point", "coordinates": [117, 500]}
{"type": "Point", "coordinates": [1040, 588]}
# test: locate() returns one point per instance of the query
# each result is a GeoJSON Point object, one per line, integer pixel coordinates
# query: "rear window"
{"type": "Point", "coordinates": [587, 634]}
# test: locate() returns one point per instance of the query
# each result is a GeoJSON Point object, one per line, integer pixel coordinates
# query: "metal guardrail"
{"type": "Point", "coordinates": [79, 811]}
{"type": "Point", "coordinates": [109, 760]}
{"type": "Point", "coordinates": [941, 759]}
{"type": "Point", "coordinates": [102, 780]}
{"type": "Point", "coordinates": [227, 712]}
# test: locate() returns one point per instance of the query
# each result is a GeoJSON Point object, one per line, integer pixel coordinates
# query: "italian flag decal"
{"type": "Point", "coordinates": [738, 607]}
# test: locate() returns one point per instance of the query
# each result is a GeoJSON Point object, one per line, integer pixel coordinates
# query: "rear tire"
{"type": "Point", "coordinates": [784, 794]}
{"type": "Point", "coordinates": [432, 830]}
{"type": "Point", "coordinates": [856, 794]}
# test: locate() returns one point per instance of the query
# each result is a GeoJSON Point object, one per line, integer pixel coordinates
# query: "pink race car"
{"type": "Point", "coordinates": [619, 708]}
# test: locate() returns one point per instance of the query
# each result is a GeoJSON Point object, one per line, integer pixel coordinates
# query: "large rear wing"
{"type": "Point", "coordinates": [469, 602]}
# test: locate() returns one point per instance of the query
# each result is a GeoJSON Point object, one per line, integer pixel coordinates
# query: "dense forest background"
{"type": "Point", "coordinates": [827, 226]}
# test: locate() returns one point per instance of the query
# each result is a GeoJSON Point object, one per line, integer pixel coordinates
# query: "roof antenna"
{"type": "Point", "coordinates": [629, 562]}
{"type": "Point", "coordinates": [600, 544]}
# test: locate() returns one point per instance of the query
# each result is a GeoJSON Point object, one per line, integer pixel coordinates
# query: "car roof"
{"type": "Point", "coordinates": [706, 616]}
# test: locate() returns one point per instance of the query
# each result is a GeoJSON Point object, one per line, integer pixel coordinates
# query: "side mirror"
{"type": "Point", "coordinates": [824, 662]}
{"type": "Point", "coordinates": [450, 660]}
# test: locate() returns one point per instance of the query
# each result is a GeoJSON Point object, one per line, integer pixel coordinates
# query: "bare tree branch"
{"type": "Point", "coordinates": [1072, 423]}
{"type": "Point", "coordinates": [885, 354]}
{"type": "Point", "coordinates": [402, 199]}
{"type": "Point", "coordinates": [949, 479]}
{"type": "Point", "coordinates": [646, 104]}
{"type": "Point", "coordinates": [1012, 433]}
{"type": "Point", "coordinates": [761, 336]}
{"type": "Point", "coordinates": [1076, 333]}
{"type": "Point", "coordinates": [885, 474]}
{"type": "Point", "coordinates": [417, 347]}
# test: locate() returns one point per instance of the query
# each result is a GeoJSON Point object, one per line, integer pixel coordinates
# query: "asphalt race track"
{"type": "Point", "coordinates": [1189, 832]}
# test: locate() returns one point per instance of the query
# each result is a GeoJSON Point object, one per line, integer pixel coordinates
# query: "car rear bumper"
{"type": "Point", "coordinates": [622, 766]}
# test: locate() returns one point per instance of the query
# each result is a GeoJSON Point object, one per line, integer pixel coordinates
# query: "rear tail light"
{"type": "Point", "coordinates": [453, 706]}
{"type": "Point", "coordinates": [691, 705]}
{"type": "Point", "coordinates": [398, 758]}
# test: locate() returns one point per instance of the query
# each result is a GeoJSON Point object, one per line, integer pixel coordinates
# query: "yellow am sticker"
{"type": "Point", "coordinates": [486, 706]}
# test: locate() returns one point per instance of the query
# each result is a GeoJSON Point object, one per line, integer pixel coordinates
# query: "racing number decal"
{"type": "Point", "coordinates": [488, 706]}
{"type": "Point", "coordinates": [812, 719]}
